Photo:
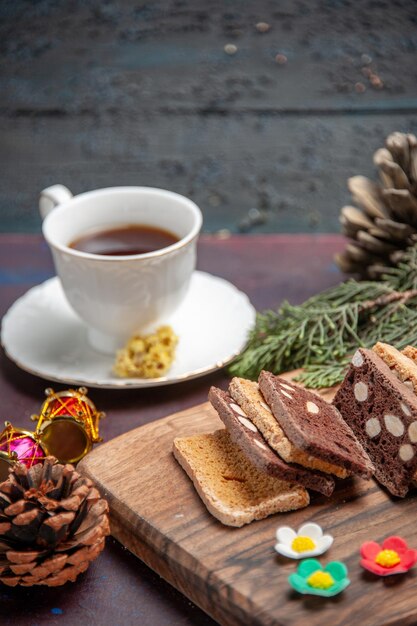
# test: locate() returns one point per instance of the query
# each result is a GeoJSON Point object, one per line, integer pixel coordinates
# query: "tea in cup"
{"type": "Point", "coordinates": [125, 256]}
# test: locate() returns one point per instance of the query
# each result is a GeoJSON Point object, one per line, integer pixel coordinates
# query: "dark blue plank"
{"type": "Point", "coordinates": [107, 93]}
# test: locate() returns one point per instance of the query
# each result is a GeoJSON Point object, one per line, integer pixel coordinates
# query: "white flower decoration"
{"type": "Point", "coordinates": [308, 541]}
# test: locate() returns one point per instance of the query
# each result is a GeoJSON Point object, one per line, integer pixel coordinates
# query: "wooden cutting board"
{"type": "Point", "coordinates": [234, 574]}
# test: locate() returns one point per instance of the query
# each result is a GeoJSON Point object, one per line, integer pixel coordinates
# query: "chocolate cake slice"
{"type": "Point", "coordinates": [314, 425]}
{"type": "Point", "coordinates": [246, 435]}
{"type": "Point", "coordinates": [382, 411]}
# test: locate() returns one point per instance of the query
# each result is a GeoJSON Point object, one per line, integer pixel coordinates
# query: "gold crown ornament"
{"type": "Point", "coordinates": [18, 446]}
{"type": "Point", "coordinates": [68, 424]}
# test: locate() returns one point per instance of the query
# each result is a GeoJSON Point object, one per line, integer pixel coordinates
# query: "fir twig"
{"type": "Point", "coordinates": [320, 334]}
{"type": "Point", "coordinates": [404, 275]}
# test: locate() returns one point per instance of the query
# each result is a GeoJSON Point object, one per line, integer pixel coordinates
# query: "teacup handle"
{"type": "Point", "coordinates": [52, 196]}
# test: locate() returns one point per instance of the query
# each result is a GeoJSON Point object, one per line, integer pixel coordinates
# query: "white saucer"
{"type": "Point", "coordinates": [42, 335]}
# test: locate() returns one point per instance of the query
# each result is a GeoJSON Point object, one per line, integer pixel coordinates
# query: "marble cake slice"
{"type": "Point", "coordinates": [382, 411]}
{"type": "Point", "coordinates": [314, 425]}
{"type": "Point", "coordinates": [246, 435]}
{"type": "Point", "coordinates": [247, 395]}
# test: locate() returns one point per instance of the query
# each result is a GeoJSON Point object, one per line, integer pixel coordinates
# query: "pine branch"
{"type": "Point", "coordinates": [400, 297]}
{"type": "Point", "coordinates": [404, 275]}
{"type": "Point", "coordinates": [319, 376]}
{"type": "Point", "coordinates": [320, 334]}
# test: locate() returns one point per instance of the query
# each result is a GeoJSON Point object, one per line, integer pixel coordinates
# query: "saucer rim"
{"type": "Point", "coordinates": [127, 383]}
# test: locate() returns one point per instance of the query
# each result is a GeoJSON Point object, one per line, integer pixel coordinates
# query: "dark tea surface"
{"type": "Point", "coordinates": [129, 239]}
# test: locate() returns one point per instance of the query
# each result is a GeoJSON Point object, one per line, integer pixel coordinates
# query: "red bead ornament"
{"type": "Point", "coordinates": [18, 445]}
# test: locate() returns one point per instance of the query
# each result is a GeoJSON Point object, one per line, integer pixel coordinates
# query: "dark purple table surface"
{"type": "Point", "coordinates": [118, 588]}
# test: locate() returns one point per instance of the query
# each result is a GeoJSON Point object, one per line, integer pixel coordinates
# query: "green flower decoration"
{"type": "Point", "coordinates": [316, 580]}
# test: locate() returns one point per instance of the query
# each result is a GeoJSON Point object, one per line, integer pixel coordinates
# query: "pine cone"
{"type": "Point", "coordinates": [386, 222]}
{"type": "Point", "coordinates": [53, 522]}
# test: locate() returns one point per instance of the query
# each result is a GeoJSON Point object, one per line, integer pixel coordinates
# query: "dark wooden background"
{"type": "Point", "coordinates": [99, 93]}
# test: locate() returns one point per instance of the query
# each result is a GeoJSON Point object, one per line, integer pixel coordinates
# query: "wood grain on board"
{"type": "Point", "coordinates": [234, 574]}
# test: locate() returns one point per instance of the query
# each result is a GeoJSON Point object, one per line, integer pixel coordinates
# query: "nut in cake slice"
{"type": "Point", "coordinates": [233, 490]}
{"type": "Point", "coordinates": [247, 395]}
{"type": "Point", "coordinates": [400, 364]}
{"type": "Point", "coordinates": [410, 352]}
{"type": "Point", "coordinates": [382, 412]}
{"type": "Point", "coordinates": [314, 425]}
{"type": "Point", "coordinates": [247, 436]}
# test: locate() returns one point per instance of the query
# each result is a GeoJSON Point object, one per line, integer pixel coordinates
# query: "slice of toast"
{"type": "Point", "coordinates": [399, 363]}
{"type": "Point", "coordinates": [247, 395]}
{"type": "Point", "coordinates": [246, 435]}
{"type": "Point", "coordinates": [233, 490]}
{"type": "Point", "coordinates": [314, 425]}
{"type": "Point", "coordinates": [382, 412]}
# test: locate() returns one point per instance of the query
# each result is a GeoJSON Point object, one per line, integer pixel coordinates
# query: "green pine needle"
{"type": "Point", "coordinates": [321, 334]}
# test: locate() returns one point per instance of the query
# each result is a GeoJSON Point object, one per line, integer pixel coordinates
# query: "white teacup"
{"type": "Point", "coordinates": [119, 295]}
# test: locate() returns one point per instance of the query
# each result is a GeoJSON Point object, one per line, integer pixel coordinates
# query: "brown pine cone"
{"type": "Point", "coordinates": [53, 523]}
{"type": "Point", "coordinates": [384, 222]}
